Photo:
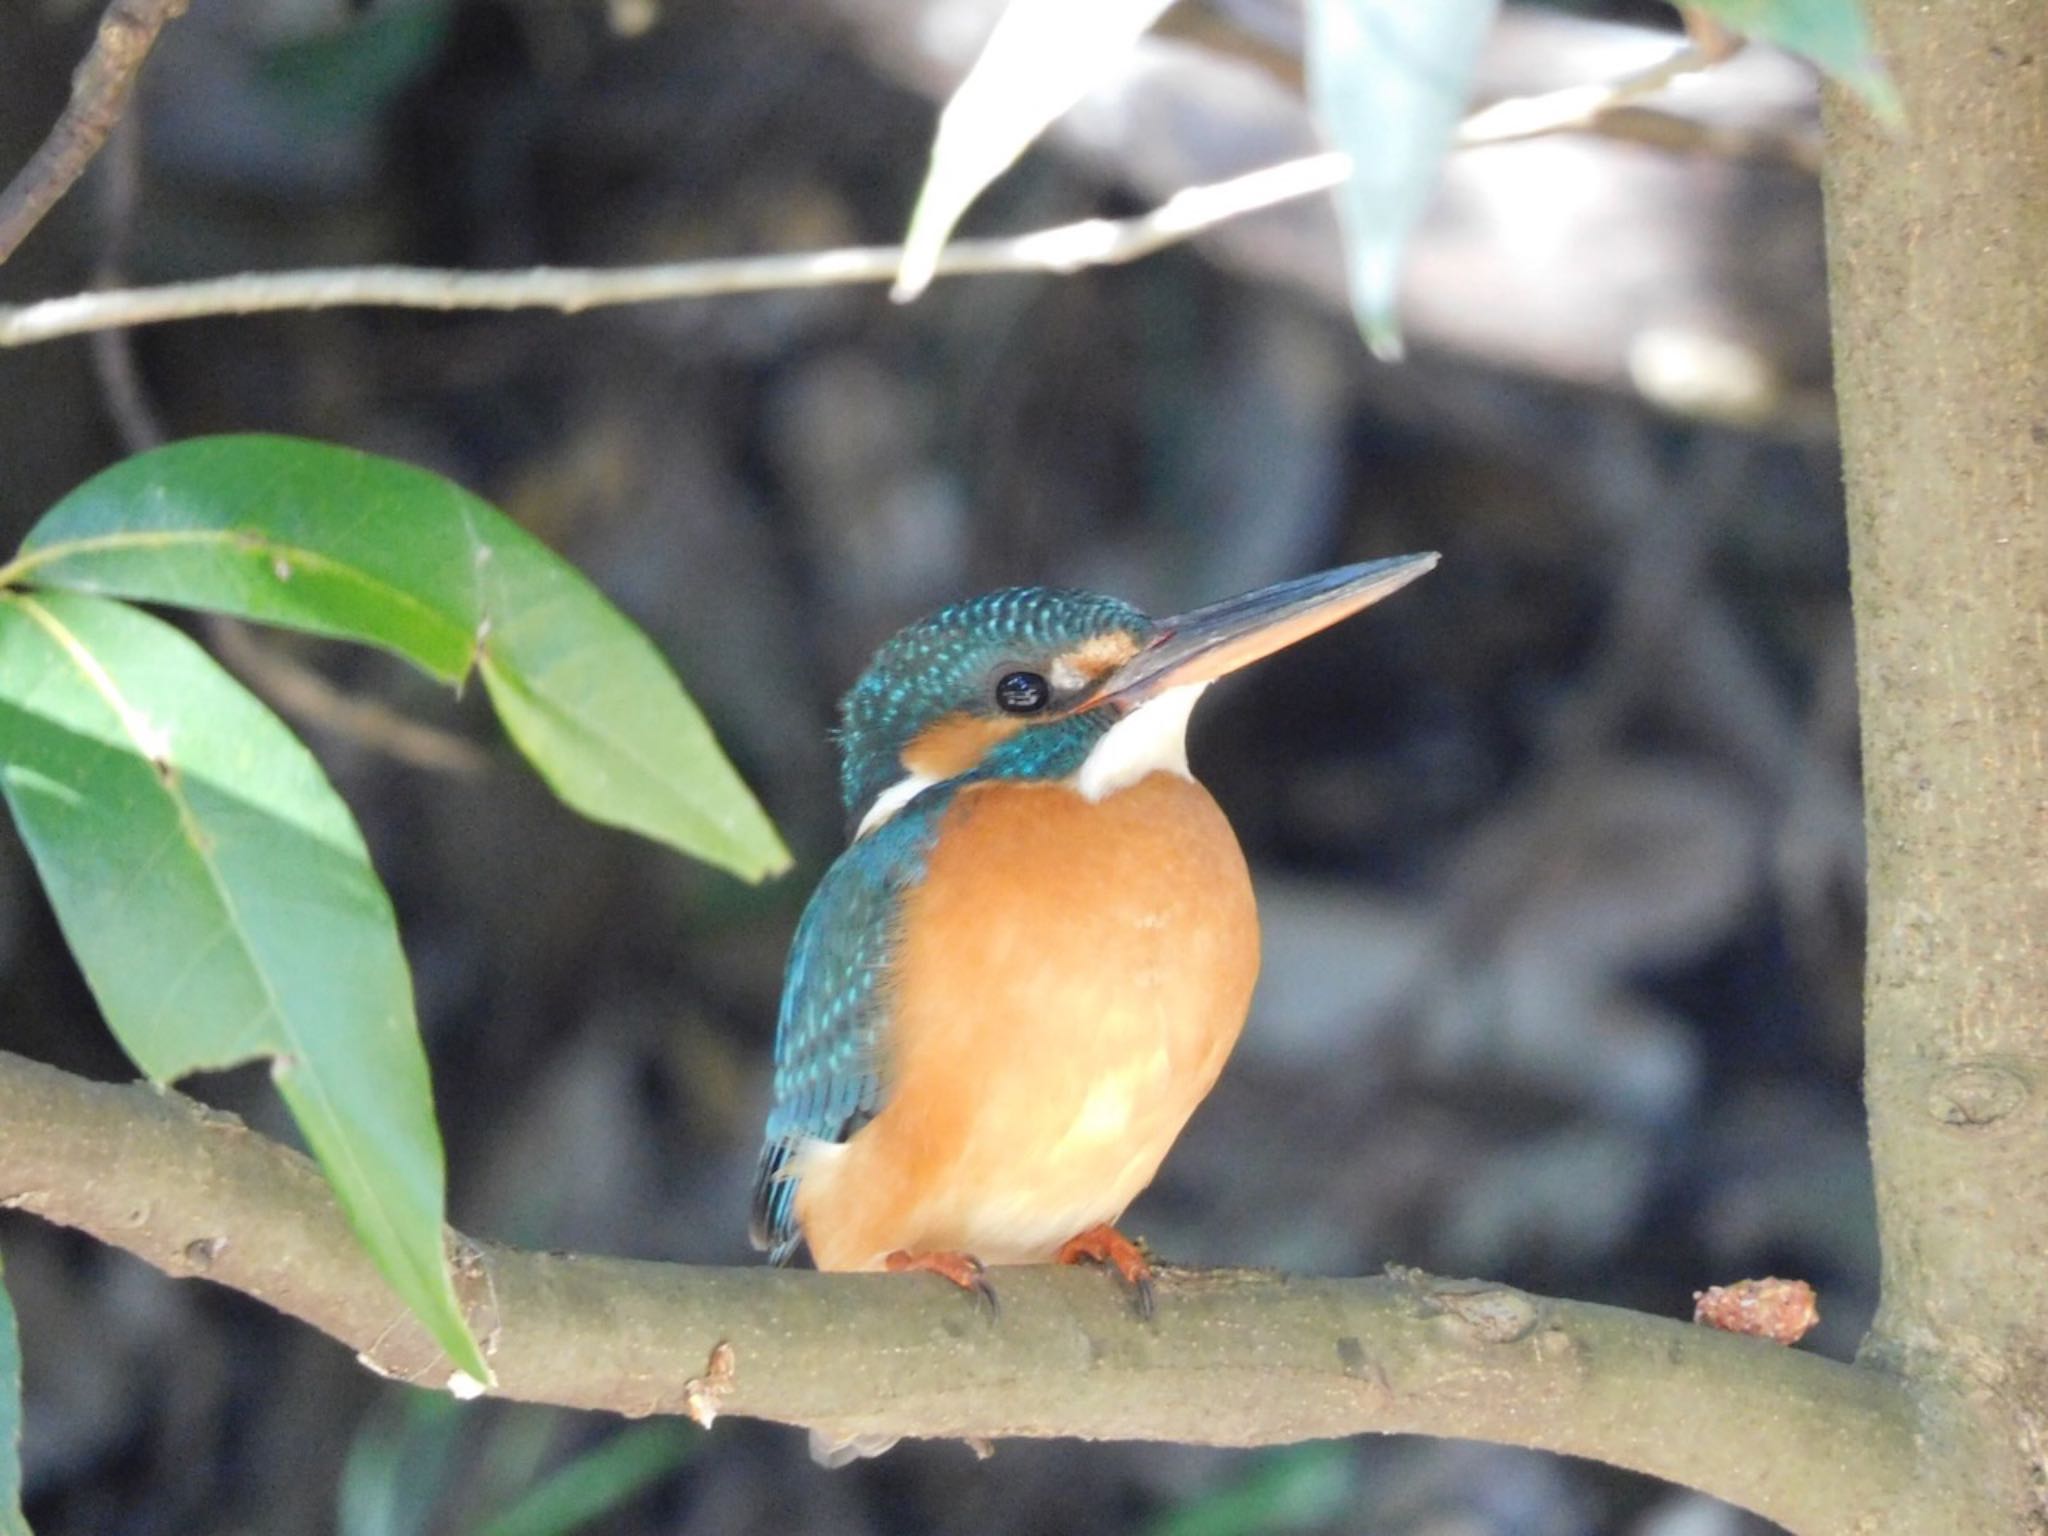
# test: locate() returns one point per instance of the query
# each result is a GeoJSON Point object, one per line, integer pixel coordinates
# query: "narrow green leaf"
{"type": "Point", "coordinates": [1298, 1488]}
{"type": "Point", "coordinates": [12, 1522]}
{"type": "Point", "coordinates": [596, 710]}
{"type": "Point", "coordinates": [1042, 57]}
{"type": "Point", "coordinates": [343, 78]}
{"type": "Point", "coordinates": [1832, 33]}
{"type": "Point", "coordinates": [362, 548]}
{"type": "Point", "coordinates": [405, 1454]}
{"type": "Point", "coordinates": [598, 1482]}
{"type": "Point", "coordinates": [222, 906]}
{"type": "Point", "coordinates": [291, 533]}
{"type": "Point", "coordinates": [1389, 82]}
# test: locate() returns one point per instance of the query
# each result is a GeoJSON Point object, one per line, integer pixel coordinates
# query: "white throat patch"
{"type": "Point", "coordinates": [1153, 738]}
{"type": "Point", "coordinates": [892, 800]}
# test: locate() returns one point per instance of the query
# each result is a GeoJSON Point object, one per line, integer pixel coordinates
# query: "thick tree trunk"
{"type": "Point", "coordinates": [1938, 245]}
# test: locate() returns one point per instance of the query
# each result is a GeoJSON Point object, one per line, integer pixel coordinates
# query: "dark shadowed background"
{"type": "Point", "coordinates": [1559, 853]}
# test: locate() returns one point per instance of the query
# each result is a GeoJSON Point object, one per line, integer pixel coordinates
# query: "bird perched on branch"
{"type": "Point", "coordinates": [1012, 989]}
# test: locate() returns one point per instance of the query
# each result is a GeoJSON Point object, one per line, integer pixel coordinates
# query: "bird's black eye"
{"type": "Point", "coordinates": [1022, 693]}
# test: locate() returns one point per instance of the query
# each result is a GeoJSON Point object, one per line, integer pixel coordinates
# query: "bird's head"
{"type": "Point", "coordinates": [1047, 684]}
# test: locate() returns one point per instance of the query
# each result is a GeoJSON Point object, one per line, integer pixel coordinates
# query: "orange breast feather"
{"type": "Point", "coordinates": [1069, 978]}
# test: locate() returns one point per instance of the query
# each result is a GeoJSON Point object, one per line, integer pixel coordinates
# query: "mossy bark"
{"type": "Point", "coordinates": [1938, 248]}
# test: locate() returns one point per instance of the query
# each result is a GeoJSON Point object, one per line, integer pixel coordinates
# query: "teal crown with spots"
{"type": "Point", "coordinates": [950, 664]}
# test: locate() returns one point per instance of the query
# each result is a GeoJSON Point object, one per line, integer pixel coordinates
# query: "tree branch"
{"type": "Point", "coordinates": [99, 94]}
{"type": "Point", "coordinates": [1581, 106]}
{"type": "Point", "coordinates": [1936, 250]}
{"type": "Point", "coordinates": [1233, 1357]}
{"type": "Point", "coordinates": [1062, 249]}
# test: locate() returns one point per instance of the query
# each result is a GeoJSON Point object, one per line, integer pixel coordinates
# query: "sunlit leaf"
{"type": "Point", "coordinates": [1042, 57]}
{"type": "Point", "coordinates": [220, 901]}
{"type": "Point", "coordinates": [11, 1521]}
{"type": "Point", "coordinates": [1389, 81]}
{"type": "Point", "coordinates": [348, 544]}
{"type": "Point", "coordinates": [1832, 33]}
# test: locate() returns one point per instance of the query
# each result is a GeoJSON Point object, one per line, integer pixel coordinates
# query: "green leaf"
{"type": "Point", "coordinates": [222, 906]}
{"type": "Point", "coordinates": [1389, 82]}
{"type": "Point", "coordinates": [12, 1522]}
{"type": "Point", "coordinates": [598, 1482]}
{"type": "Point", "coordinates": [406, 1452]}
{"type": "Point", "coordinates": [1832, 33]}
{"type": "Point", "coordinates": [1042, 57]}
{"type": "Point", "coordinates": [338, 79]}
{"type": "Point", "coordinates": [1299, 1488]}
{"type": "Point", "coordinates": [363, 548]}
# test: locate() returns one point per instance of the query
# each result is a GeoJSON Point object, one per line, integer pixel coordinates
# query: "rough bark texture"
{"type": "Point", "coordinates": [1939, 254]}
{"type": "Point", "coordinates": [1232, 1357]}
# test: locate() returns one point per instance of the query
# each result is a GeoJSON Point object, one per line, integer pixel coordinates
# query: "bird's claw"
{"type": "Point", "coordinates": [1103, 1244]}
{"type": "Point", "coordinates": [963, 1269]}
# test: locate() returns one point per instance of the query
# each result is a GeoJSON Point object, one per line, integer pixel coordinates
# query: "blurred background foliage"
{"type": "Point", "coordinates": [1559, 857]}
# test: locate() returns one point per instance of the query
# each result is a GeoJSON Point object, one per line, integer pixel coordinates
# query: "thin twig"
{"type": "Point", "coordinates": [1578, 106]}
{"type": "Point", "coordinates": [1062, 249]}
{"type": "Point", "coordinates": [134, 414]}
{"type": "Point", "coordinates": [310, 699]}
{"type": "Point", "coordinates": [99, 93]}
{"type": "Point", "coordinates": [1793, 148]}
{"type": "Point", "coordinates": [1709, 33]}
{"type": "Point", "coordinates": [1067, 248]}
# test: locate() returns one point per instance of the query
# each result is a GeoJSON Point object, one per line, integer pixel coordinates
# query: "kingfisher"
{"type": "Point", "coordinates": [1011, 990]}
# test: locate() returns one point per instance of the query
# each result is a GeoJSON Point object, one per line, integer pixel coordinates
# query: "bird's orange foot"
{"type": "Point", "coordinates": [963, 1269]}
{"type": "Point", "coordinates": [1105, 1245]}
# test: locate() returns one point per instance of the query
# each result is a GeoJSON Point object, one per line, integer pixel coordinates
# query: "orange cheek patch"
{"type": "Point", "coordinates": [1096, 657]}
{"type": "Point", "coordinates": [956, 743]}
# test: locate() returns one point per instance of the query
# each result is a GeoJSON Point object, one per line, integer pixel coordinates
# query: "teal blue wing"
{"type": "Point", "coordinates": [828, 1059]}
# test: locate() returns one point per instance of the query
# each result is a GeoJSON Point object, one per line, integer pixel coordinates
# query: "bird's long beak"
{"type": "Point", "coordinates": [1201, 646]}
